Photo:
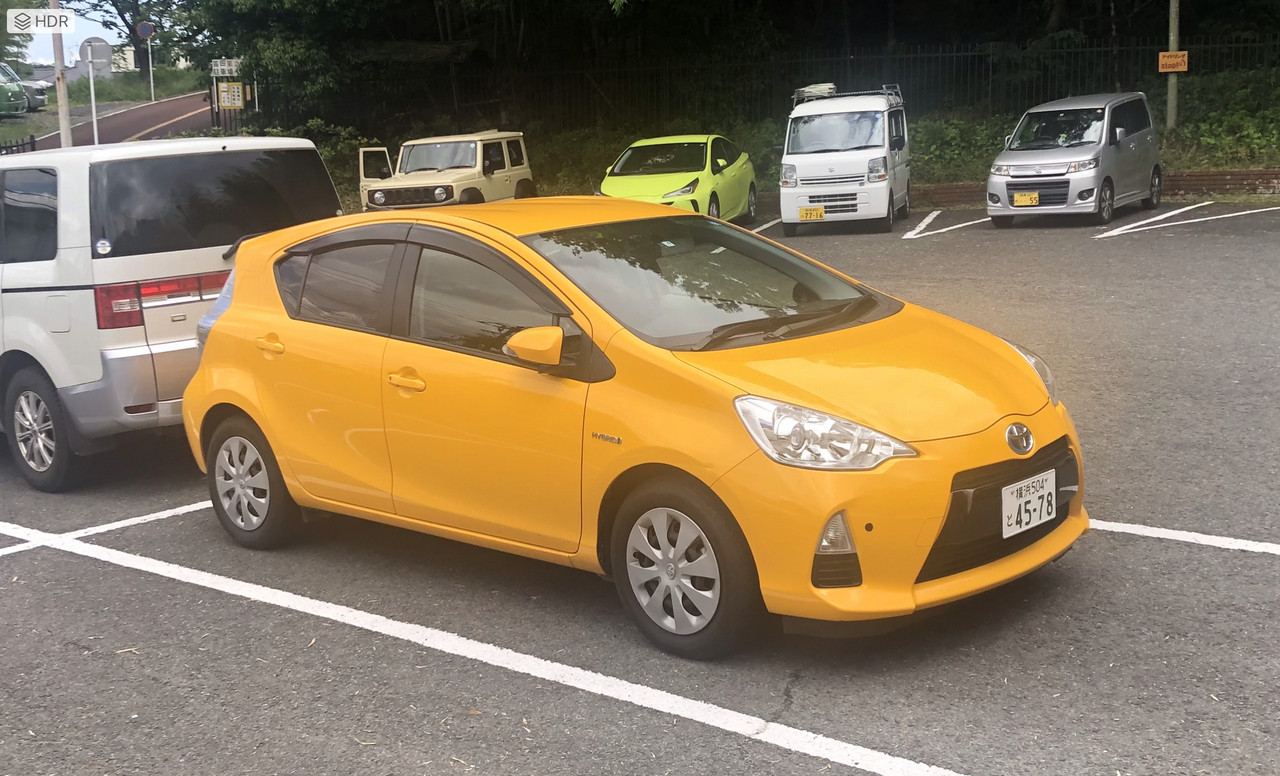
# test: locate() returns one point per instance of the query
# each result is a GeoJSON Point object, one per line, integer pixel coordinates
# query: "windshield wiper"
{"type": "Point", "coordinates": [863, 147]}
{"type": "Point", "coordinates": [728, 331]}
{"type": "Point", "coordinates": [1080, 143]}
{"type": "Point", "coordinates": [849, 311]}
{"type": "Point", "coordinates": [457, 167]}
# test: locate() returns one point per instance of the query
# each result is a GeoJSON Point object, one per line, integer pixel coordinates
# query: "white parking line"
{"type": "Point", "coordinates": [1208, 540]}
{"type": "Point", "coordinates": [920, 226]}
{"type": "Point", "coordinates": [98, 529]}
{"type": "Point", "coordinates": [916, 233]}
{"type": "Point", "coordinates": [1206, 218]}
{"type": "Point", "coordinates": [752, 727]}
{"type": "Point", "coordinates": [1161, 217]}
{"type": "Point", "coordinates": [759, 229]}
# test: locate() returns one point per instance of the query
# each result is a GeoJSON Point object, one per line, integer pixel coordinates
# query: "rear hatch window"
{"type": "Point", "coordinates": [179, 203]}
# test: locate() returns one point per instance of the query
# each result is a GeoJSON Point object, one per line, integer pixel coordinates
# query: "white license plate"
{"type": "Point", "coordinates": [1029, 503]}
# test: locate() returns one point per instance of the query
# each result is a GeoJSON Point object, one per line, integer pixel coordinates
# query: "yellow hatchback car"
{"type": "Point", "coordinates": [722, 425]}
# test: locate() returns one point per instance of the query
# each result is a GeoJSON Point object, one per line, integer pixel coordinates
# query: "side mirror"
{"type": "Point", "coordinates": [608, 171]}
{"type": "Point", "coordinates": [897, 143]}
{"type": "Point", "coordinates": [539, 345]}
{"type": "Point", "coordinates": [1117, 135]}
{"type": "Point", "coordinates": [1007, 140]}
{"type": "Point", "coordinates": [487, 167]}
{"type": "Point", "coordinates": [722, 163]}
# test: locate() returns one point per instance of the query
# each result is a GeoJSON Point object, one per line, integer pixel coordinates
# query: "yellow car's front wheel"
{"type": "Point", "coordinates": [683, 570]}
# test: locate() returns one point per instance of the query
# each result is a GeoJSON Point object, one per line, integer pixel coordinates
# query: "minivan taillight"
{"type": "Point", "coordinates": [119, 306]}
{"type": "Point", "coordinates": [211, 285]}
{"type": "Point", "coordinates": [169, 290]}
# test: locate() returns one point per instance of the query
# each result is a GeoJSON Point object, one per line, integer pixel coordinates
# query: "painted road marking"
{"type": "Point", "coordinates": [1206, 218]}
{"type": "Point", "coordinates": [916, 233]}
{"type": "Point", "coordinates": [752, 727]}
{"type": "Point", "coordinates": [920, 226]}
{"type": "Point", "coordinates": [1208, 540]}
{"type": "Point", "coordinates": [165, 124]}
{"type": "Point", "coordinates": [766, 226]}
{"type": "Point", "coordinates": [1161, 217]}
{"type": "Point", "coordinates": [95, 530]}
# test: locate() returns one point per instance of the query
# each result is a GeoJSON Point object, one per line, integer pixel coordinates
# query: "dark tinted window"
{"type": "Point", "coordinates": [1133, 117]}
{"type": "Point", "coordinates": [30, 215]}
{"type": "Point", "coordinates": [897, 124]}
{"type": "Point", "coordinates": [463, 304]}
{"type": "Point", "coordinates": [661, 159]}
{"type": "Point", "coordinates": [493, 157]}
{"type": "Point", "coordinates": [345, 287]}
{"type": "Point", "coordinates": [289, 276]}
{"type": "Point", "coordinates": [515, 152]}
{"type": "Point", "coordinates": [177, 203]}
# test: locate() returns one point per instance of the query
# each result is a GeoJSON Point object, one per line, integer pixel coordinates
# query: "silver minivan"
{"type": "Point", "coordinates": [1087, 154]}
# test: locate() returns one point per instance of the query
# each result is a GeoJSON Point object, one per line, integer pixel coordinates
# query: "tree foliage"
{"type": "Point", "coordinates": [175, 22]}
{"type": "Point", "coordinates": [13, 45]}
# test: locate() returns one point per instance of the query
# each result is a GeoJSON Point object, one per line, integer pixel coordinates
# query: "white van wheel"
{"type": "Point", "coordinates": [886, 223]}
{"type": "Point", "coordinates": [38, 432]}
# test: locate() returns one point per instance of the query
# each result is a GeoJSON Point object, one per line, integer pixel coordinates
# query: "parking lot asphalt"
{"type": "Point", "coordinates": [364, 648]}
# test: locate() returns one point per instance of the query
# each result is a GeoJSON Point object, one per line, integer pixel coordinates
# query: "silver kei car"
{"type": "Point", "coordinates": [1087, 154]}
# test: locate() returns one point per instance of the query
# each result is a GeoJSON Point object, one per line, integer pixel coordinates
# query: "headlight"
{"type": "Point", "coordinates": [1042, 369]}
{"type": "Point", "coordinates": [788, 176]}
{"type": "Point", "coordinates": [441, 194]}
{"type": "Point", "coordinates": [378, 198]}
{"type": "Point", "coordinates": [802, 437]}
{"type": "Point", "coordinates": [1001, 169]}
{"type": "Point", "coordinates": [876, 169]}
{"type": "Point", "coordinates": [1087, 164]}
{"type": "Point", "coordinates": [689, 189]}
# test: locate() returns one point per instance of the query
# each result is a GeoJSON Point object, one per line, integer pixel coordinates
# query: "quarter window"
{"type": "Point", "coordinates": [516, 153]}
{"type": "Point", "coordinates": [30, 215]}
{"type": "Point", "coordinates": [346, 287]}
{"type": "Point", "coordinates": [897, 125]}
{"type": "Point", "coordinates": [462, 304]}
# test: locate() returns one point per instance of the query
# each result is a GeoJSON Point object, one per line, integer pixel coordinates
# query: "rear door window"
{"type": "Point", "coordinates": [30, 215]}
{"type": "Point", "coordinates": [493, 159]}
{"type": "Point", "coordinates": [177, 203]}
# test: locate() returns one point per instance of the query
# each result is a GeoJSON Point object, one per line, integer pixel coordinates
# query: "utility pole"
{"type": "Point", "coordinates": [1171, 107]}
{"type": "Point", "coordinates": [60, 86]}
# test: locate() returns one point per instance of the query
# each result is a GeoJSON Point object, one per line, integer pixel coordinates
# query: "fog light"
{"type": "Point", "coordinates": [835, 539]}
{"type": "Point", "coordinates": [378, 198]}
{"type": "Point", "coordinates": [835, 562]}
{"type": "Point", "coordinates": [1086, 194]}
{"type": "Point", "coordinates": [993, 198]}
{"type": "Point", "coordinates": [440, 194]}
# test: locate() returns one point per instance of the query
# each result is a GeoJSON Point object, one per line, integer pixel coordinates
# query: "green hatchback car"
{"type": "Point", "coordinates": [702, 173]}
{"type": "Point", "coordinates": [13, 98]}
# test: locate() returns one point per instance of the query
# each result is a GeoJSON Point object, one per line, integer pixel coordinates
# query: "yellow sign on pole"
{"type": "Point", "coordinates": [1173, 61]}
{"type": "Point", "coordinates": [231, 95]}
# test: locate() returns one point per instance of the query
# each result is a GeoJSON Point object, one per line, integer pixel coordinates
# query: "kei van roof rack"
{"type": "Point", "coordinates": [826, 91]}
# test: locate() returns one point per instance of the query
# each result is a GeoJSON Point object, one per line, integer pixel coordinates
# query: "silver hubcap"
{"type": "Point", "coordinates": [673, 571]}
{"type": "Point", "coordinates": [751, 204]}
{"type": "Point", "coordinates": [713, 209]}
{"type": "Point", "coordinates": [1106, 203]}
{"type": "Point", "coordinates": [33, 429]}
{"type": "Point", "coordinates": [240, 479]}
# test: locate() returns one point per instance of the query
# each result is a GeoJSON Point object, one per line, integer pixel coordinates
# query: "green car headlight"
{"type": "Point", "coordinates": [692, 187]}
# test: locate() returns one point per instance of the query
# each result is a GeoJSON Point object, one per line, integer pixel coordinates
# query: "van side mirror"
{"type": "Point", "coordinates": [897, 143]}
{"type": "Point", "coordinates": [540, 345]}
{"type": "Point", "coordinates": [1117, 135]}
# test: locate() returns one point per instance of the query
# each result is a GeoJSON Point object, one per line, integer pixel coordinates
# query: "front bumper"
{"type": "Point", "coordinates": [896, 514]}
{"type": "Point", "coordinates": [1071, 193]}
{"type": "Point", "coordinates": [844, 202]}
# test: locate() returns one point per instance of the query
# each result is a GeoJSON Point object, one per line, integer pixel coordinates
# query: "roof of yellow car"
{"type": "Point", "coordinates": [517, 217]}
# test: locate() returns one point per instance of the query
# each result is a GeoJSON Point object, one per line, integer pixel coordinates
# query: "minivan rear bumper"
{"type": "Point", "coordinates": [124, 399]}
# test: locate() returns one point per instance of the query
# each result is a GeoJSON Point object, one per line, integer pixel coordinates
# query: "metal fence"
{"type": "Point", "coordinates": [18, 146]}
{"type": "Point", "coordinates": [982, 79]}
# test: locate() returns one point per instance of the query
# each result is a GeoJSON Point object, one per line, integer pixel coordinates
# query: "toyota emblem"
{"type": "Point", "coordinates": [1019, 438]}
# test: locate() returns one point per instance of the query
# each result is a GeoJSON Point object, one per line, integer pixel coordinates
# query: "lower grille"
{"type": "Point", "coordinates": [1051, 192]}
{"type": "Point", "coordinates": [971, 534]}
{"type": "Point", "coordinates": [841, 570]}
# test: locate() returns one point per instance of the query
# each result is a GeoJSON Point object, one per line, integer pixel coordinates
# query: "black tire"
{"type": "Point", "coordinates": [713, 206]}
{"type": "Point", "coordinates": [789, 230]}
{"type": "Point", "coordinates": [471, 197]}
{"type": "Point", "coordinates": [904, 212]}
{"type": "Point", "coordinates": [885, 224]}
{"type": "Point", "coordinates": [1002, 222]}
{"type": "Point", "coordinates": [526, 189]}
{"type": "Point", "coordinates": [1157, 190]}
{"type": "Point", "coordinates": [38, 433]}
{"type": "Point", "coordinates": [1106, 204]}
{"type": "Point", "coordinates": [753, 210]}
{"type": "Point", "coordinates": [738, 611]}
{"type": "Point", "coordinates": [248, 523]}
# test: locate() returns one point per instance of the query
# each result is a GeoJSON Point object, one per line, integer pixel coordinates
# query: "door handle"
{"type": "Point", "coordinates": [408, 383]}
{"type": "Point", "coordinates": [269, 344]}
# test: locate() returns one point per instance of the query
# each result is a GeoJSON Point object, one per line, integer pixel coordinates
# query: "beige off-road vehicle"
{"type": "Point", "coordinates": [458, 169]}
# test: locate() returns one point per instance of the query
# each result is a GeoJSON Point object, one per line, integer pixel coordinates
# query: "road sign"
{"type": "Point", "coordinates": [1173, 61]}
{"type": "Point", "coordinates": [145, 30]}
{"type": "Point", "coordinates": [225, 68]}
{"type": "Point", "coordinates": [231, 95]}
{"type": "Point", "coordinates": [34, 21]}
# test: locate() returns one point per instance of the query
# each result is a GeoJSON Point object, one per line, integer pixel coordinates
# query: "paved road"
{"type": "Point", "coordinates": [146, 122]}
{"type": "Point", "coordinates": [1132, 655]}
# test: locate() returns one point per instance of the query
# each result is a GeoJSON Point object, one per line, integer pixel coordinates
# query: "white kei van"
{"type": "Point", "coordinates": [109, 256]}
{"type": "Point", "coordinates": [846, 157]}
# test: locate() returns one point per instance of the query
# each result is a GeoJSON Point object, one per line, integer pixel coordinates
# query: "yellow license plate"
{"type": "Point", "coordinates": [1026, 198]}
{"type": "Point", "coordinates": [813, 213]}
